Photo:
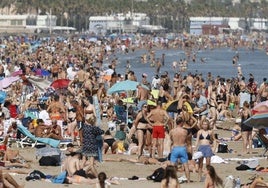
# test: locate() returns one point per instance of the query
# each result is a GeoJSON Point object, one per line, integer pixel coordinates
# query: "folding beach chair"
{"type": "Point", "coordinates": [32, 140]}
{"type": "Point", "coordinates": [263, 140]}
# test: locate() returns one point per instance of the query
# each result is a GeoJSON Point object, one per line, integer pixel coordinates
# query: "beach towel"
{"type": "Point", "coordinates": [60, 178]}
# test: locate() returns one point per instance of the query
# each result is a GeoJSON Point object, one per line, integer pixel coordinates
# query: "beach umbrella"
{"type": "Point", "coordinates": [60, 83]}
{"type": "Point", "coordinates": [258, 121]}
{"type": "Point", "coordinates": [171, 106]}
{"type": "Point", "coordinates": [7, 81]}
{"type": "Point", "coordinates": [126, 85]}
{"type": "Point", "coordinates": [17, 73]}
{"type": "Point", "coordinates": [3, 96]}
{"type": "Point", "coordinates": [260, 107]}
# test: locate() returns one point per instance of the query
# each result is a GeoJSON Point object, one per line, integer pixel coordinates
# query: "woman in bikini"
{"type": "Point", "coordinates": [189, 123]}
{"type": "Point", "coordinates": [109, 142]}
{"type": "Point", "coordinates": [204, 139]}
{"type": "Point", "coordinates": [141, 125]}
{"type": "Point", "coordinates": [246, 130]}
{"type": "Point", "coordinates": [212, 179]}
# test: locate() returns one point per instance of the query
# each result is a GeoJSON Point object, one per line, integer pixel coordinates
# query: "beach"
{"type": "Point", "coordinates": [89, 72]}
{"type": "Point", "coordinates": [124, 170]}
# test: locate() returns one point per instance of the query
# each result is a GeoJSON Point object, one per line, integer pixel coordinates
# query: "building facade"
{"type": "Point", "coordinates": [120, 23]}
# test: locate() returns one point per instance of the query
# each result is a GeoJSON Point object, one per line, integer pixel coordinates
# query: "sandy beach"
{"type": "Point", "coordinates": [127, 170]}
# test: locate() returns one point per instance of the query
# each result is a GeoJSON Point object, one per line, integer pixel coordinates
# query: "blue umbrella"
{"type": "Point", "coordinates": [258, 121]}
{"type": "Point", "coordinates": [3, 96]}
{"type": "Point", "coordinates": [126, 85]}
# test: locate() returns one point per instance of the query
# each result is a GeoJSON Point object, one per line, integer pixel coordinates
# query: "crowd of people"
{"type": "Point", "coordinates": [82, 108]}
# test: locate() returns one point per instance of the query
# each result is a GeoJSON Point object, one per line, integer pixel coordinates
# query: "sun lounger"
{"type": "Point", "coordinates": [264, 141]}
{"type": "Point", "coordinates": [35, 140]}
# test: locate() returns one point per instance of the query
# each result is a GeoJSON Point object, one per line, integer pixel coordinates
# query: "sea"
{"type": "Point", "coordinates": [217, 61]}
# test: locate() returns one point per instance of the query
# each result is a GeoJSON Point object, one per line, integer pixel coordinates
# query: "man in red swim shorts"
{"type": "Point", "coordinates": [158, 119]}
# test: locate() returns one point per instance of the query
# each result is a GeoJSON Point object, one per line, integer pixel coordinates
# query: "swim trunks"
{"type": "Point", "coordinates": [158, 131]}
{"type": "Point", "coordinates": [179, 152]}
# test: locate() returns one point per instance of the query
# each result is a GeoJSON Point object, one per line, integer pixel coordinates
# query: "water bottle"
{"type": "Point", "coordinates": [238, 183]}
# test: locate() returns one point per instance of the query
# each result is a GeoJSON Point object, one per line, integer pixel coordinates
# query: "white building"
{"type": "Point", "coordinates": [12, 23]}
{"type": "Point", "coordinates": [30, 24]}
{"type": "Point", "coordinates": [129, 22]}
{"type": "Point", "coordinates": [234, 23]}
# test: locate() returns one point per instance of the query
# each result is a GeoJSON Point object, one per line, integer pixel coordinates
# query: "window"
{"type": "Point", "coordinates": [16, 22]}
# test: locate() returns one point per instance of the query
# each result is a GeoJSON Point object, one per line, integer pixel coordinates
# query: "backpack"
{"type": "Point", "coordinates": [157, 175]}
{"type": "Point", "coordinates": [49, 161]}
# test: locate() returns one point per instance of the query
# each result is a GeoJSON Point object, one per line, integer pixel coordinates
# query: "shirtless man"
{"type": "Point", "coordinates": [79, 118]}
{"type": "Point", "coordinates": [55, 71]}
{"type": "Point", "coordinates": [73, 166]}
{"type": "Point", "coordinates": [190, 81]}
{"type": "Point", "coordinates": [81, 76]}
{"type": "Point", "coordinates": [142, 96]}
{"type": "Point", "coordinates": [158, 118]}
{"type": "Point", "coordinates": [41, 130]}
{"type": "Point", "coordinates": [178, 138]}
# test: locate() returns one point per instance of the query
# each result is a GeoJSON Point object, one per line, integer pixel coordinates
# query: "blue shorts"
{"type": "Point", "coordinates": [206, 150]}
{"type": "Point", "coordinates": [179, 152]}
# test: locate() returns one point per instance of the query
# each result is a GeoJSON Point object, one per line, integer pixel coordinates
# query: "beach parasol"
{"type": "Point", "coordinates": [171, 106]}
{"type": "Point", "coordinates": [60, 83]}
{"type": "Point", "coordinates": [7, 81]}
{"type": "Point", "coordinates": [258, 121]}
{"type": "Point", "coordinates": [260, 107]}
{"type": "Point", "coordinates": [3, 96]}
{"type": "Point", "coordinates": [126, 85]}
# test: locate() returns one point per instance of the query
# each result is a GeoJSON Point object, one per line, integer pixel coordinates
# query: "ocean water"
{"type": "Point", "coordinates": [217, 61]}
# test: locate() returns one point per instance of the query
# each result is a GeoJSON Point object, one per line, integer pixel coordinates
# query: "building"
{"type": "Point", "coordinates": [13, 23]}
{"type": "Point", "coordinates": [30, 24]}
{"type": "Point", "coordinates": [120, 23]}
{"type": "Point", "coordinates": [205, 25]}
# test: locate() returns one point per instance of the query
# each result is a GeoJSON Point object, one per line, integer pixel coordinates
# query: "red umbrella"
{"type": "Point", "coordinates": [60, 84]}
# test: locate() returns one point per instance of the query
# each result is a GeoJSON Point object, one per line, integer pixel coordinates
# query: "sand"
{"type": "Point", "coordinates": [126, 169]}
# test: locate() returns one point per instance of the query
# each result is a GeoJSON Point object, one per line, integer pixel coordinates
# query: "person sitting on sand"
{"type": "Point", "coordinates": [212, 179]}
{"type": "Point", "coordinates": [258, 182]}
{"type": "Point", "coordinates": [12, 158]}
{"type": "Point", "coordinates": [170, 179]}
{"type": "Point", "coordinates": [6, 180]}
{"type": "Point", "coordinates": [73, 165]}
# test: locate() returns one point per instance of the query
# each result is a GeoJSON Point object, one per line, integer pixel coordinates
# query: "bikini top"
{"type": "Point", "coordinates": [71, 110]}
{"type": "Point", "coordinates": [201, 137]}
{"type": "Point", "coordinates": [143, 120]}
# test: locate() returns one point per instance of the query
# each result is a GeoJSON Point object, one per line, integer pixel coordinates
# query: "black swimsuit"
{"type": "Point", "coordinates": [143, 120]}
{"type": "Point", "coordinates": [109, 141]}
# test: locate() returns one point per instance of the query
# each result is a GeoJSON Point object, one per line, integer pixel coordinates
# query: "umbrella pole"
{"type": "Point", "coordinates": [127, 110]}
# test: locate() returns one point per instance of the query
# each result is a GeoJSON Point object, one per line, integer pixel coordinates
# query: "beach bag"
{"type": "Point", "coordinates": [229, 182]}
{"type": "Point", "coordinates": [49, 161]}
{"type": "Point", "coordinates": [158, 175]}
{"type": "Point", "coordinates": [223, 148]}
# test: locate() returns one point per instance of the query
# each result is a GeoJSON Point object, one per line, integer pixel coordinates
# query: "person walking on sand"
{"type": "Point", "coordinates": [178, 137]}
{"type": "Point", "coordinates": [245, 129]}
{"type": "Point", "coordinates": [203, 144]}
{"type": "Point", "coordinates": [158, 118]}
